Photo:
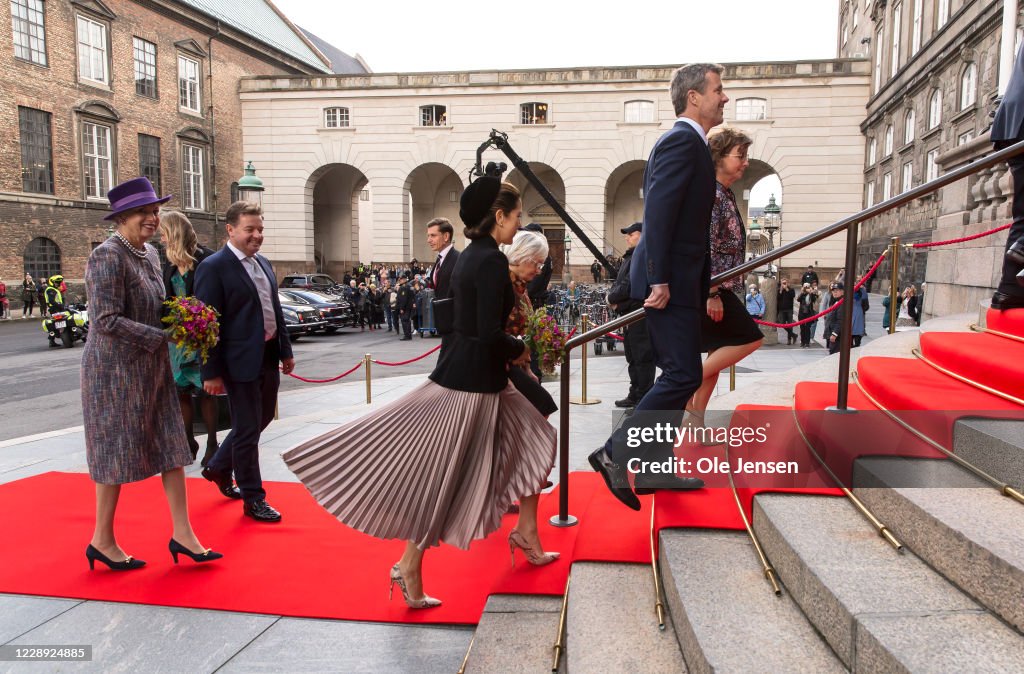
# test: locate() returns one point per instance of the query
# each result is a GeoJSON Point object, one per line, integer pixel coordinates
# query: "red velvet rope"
{"type": "Point", "coordinates": [326, 381]}
{"type": "Point", "coordinates": [406, 362]}
{"type": "Point", "coordinates": [961, 239]}
{"type": "Point", "coordinates": [856, 287]}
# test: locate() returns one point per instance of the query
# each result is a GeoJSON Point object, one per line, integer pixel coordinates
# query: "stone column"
{"type": "Point", "coordinates": [769, 288]}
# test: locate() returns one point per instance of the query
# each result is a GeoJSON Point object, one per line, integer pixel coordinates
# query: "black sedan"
{"type": "Point", "coordinates": [335, 311]}
{"type": "Point", "coordinates": [300, 318]}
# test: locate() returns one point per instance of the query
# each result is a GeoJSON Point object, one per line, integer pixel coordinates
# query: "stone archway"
{"type": "Point", "coordinates": [751, 201]}
{"type": "Point", "coordinates": [536, 209]}
{"type": "Point", "coordinates": [336, 191]}
{"type": "Point", "coordinates": [433, 191]}
{"type": "Point", "coordinates": [624, 203]}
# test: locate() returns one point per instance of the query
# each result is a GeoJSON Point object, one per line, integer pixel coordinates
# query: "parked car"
{"type": "Point", "coordinates": [337, 312]}
{"type": "Point", "coordinates": [300, 318]}
{"type": "Point", "coordinates": [308, 282]}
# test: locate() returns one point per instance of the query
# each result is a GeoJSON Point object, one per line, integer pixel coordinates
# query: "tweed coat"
{"type": "Point", "coordinates": [133, 424]}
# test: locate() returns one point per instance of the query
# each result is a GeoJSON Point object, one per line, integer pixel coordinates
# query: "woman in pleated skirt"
{"type": "Point", "coordinates": [445, 461]}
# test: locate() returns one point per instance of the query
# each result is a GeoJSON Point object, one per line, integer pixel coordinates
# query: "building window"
{"type": "Point", "coordinates": [36, 151]}
{"type": "Point", "coordinates": [879, 51]}
{"type": "Point", "coordinates": [96, 158]}
{"type": "Point", "coordinates": [92, 50]}
{"type": "Point", "coordinates": [935, 109]}
{"type": "Point", "coordinates": [639, 112]}
{"type": "Point", "coordinates": [918, 27]}
{"type": "Point", "coordinates": [335, 118]}
{"type": "Point", "coordinates": [846, 33]}
{"type": "Point", "coordinates": [887, 187]}
{"type": "Point", "coordinates": [932, 172]}
{"type": "Point", "coordinates": [908, 176]}
{"type": "Point", "coordinates": [149, 159]}
{"type": "Point", "coordinates": [855, 16]}
{"type": "Point", "coordinates": [942, 14]}
{"type": "Point", "coordinates": [145, 67]}
{"type": "Point", "coordinates": [968, 85]}
{"type": "Point", "coordinates": [433, 115]}
{"type": "Point", "coordinates": [192, 187]}
{"type": "Point", "coordinates": [908, 127]}
{"type": "Point", "coordinates": [533, 113]}
{"type": "Point", "coordinates": [871, 194]}
{"type": "Point", "coordinates": [965, 138]}
{"type": "Point", "coordinates": [751, 109]}
{"type": "Point", "coordinates": [897, 20]}
{"type": "Point", "coordinates": [28, 22]}
{"type": "Point", "coordinates": [887, 147]}
{"type": "Point", "coordinates": [188, 84]}
{"type": "Point", "coordinates": [41, 259]}
{"type": "Point", "coordinates": [872, 151]}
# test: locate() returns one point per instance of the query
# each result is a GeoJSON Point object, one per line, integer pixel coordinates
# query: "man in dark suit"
{"type": "Point", "coordinates": [404, 305]}
{"type": "Point", "coordinates": [1007, 129]}
{"type": "Point", "coordinates": [241, 285]}
{"type": "Point", "coordinates": [636, 340]}
{"type": "Point", "coordinates": [672, 262]}
{"type": "Point", "coordinates": [439, 237]}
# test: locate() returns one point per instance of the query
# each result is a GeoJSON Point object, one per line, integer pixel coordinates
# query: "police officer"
{"type": "Point", "coordinates": [53, 298]}
{"type": "Point", "coordinates": [637, 340]}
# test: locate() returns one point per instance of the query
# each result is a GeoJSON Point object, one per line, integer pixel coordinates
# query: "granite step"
{"type": "Point", "coordinates": [994, 445]}
{"type": "Point", "coordinates": [727, 619]}
{"type": "Point", "coordinates": [959, 525]}
{"type": "Point", "coordinates": [879, 610]}
{"type": "Point", "coordinates": [516, 635]}
{"type": "Point", "coordinates": [612, 626]}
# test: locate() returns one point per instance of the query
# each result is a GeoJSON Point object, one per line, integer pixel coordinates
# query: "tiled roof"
{"type": "Point", "coordinates": [258, 19]}
{"type": "Point", "coordinates": [341, 63]}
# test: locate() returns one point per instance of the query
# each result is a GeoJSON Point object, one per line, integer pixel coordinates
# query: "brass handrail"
{"type": "Point", "coordinates": [848, 224]}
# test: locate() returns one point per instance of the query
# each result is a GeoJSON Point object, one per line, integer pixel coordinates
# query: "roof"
{"type": "Point", "coordinates": [263, 22]}
{"type": "Point", "coordinates": [341, 63]}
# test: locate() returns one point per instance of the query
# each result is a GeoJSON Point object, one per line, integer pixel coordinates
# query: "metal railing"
{"type": "Point", "coordinates": [849, 225]}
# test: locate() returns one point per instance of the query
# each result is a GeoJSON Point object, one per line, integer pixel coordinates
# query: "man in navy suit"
{"type": "Point", "coordinates": [1007, 129]}
{"type": "Point", "coordinates": [241, 285]}
{"type": "Point", "coordinates": [439, 237]}
{"type": "Point", "coordinates": [671, 263]}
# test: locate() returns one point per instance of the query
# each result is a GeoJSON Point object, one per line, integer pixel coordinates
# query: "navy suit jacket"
{"type": "Point", "coordinates": [224, 283]}
{"type": "Point", "coordinates": [444, 276]}
{"type": "Point", "coordinates": [1007, 126]}
{"type": "Point", "coordinates": [679, 193]}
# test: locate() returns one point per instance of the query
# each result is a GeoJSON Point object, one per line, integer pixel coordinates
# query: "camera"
{"type": "Point", "coordinates": [495, 169]}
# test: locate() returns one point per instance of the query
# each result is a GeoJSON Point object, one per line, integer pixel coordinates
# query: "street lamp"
{"type": "Point", "coordinates": [565, 267]}
{"type": "Point", "coordinates": [772, 221]}
{"type": "Point", "coordinates": [250, 188]}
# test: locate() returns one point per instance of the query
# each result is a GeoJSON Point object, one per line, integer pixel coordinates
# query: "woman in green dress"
{"type": "Point", "coordinates": [183, 256]}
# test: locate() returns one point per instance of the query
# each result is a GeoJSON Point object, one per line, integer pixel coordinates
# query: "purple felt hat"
{"type": "Point", "coordinates": [132, 194]}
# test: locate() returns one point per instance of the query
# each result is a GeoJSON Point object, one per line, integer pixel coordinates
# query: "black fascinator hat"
{"type": "Point", "coordinates": [477, 200]}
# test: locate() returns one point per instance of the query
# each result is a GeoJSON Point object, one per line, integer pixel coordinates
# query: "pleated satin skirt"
{"type": "Point", "coordinates": [435, 465]}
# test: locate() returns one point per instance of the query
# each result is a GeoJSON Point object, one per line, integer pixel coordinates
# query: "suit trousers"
{"type": "Point", "coordinates": [1008, 281]}
{"type": "Point", "coordinates": [675, 342]}
{"type": "Point", "coordinates": [406, 320]}
{"type": "Point", "coordinates": [640, 358]}
{"type": "Point", "coordinates": [252, 405]}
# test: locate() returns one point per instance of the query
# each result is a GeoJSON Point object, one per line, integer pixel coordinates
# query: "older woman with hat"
{"type": "Point", "coordinates": [445, 461]}
{"type": "Point", "coordinates": [133, 429]}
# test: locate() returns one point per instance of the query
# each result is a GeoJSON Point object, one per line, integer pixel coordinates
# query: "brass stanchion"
{"type": "Point", "coordinates": [732, 377]}
{"type": "Point", "coordinates": [894, 282]}
{"type": "Point", "coordinates": [369, 391]}
{"type": "Point", "coordinates": [583, 400]}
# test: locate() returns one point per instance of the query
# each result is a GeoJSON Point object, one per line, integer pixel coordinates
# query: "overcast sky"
{"type": "Point", "coordinates": [412, 36]}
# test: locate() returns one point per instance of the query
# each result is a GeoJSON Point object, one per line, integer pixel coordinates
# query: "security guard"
{"type": "Point", "coordinates": [52, 294]}
{"type": "Point", "coordinates": [636, 338]}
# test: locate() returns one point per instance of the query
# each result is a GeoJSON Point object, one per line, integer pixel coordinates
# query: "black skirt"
{"type": "Point", "coordinates": [532, 390]}
{"type": "Point", "coordinates": [736, 328]}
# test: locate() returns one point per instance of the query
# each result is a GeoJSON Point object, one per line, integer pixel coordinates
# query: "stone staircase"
{"type": "Point", "coordinates": [952, 601]}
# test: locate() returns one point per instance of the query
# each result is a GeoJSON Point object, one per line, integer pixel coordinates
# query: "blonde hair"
{"type": "Point", "coordinates": [179, 239]}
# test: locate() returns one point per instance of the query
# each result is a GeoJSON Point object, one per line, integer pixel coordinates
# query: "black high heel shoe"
{"type": "Point", "coordinates": [177, 548]}
{"type": "Point", "coordinates": [129, 564]}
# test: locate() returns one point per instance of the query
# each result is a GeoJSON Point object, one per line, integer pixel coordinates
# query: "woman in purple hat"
{"type": "Point", "coordinates": [129, 402]}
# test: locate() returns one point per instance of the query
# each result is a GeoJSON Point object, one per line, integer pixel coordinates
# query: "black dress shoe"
{"type": "Point", "coordinates": [647, 484]}
{"type": "Point", "coordinates": [1015, 253]}
{"type": "Point", "coordinates": [1002, 301]}
{"type": "Point", "coordinates": [223, 482]}
{"type": "Point", "coordinates": [614, 478]}
{"type": "Point", "coordinates": [260, 511]}
{"type": "Point", "coordinates": [625, 402]}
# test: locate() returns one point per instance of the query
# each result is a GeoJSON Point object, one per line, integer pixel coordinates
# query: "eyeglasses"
{"type": "Point", "coordinates": [540, 265]}
{"type": "Point", "coordinates": [741, 157]}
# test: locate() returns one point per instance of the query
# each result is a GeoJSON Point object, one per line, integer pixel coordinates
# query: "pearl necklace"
{"type": "Point", "coordinates": [141, 254]}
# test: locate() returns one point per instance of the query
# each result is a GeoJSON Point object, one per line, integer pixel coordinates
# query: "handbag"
{"type": "Point", "coordinates": [444, 315]}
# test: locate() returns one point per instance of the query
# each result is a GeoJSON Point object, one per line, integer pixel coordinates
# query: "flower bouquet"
{"type": "Point", "coordinates": [543, 335]}
{"type": "Point", "coordinates": [192, 326]}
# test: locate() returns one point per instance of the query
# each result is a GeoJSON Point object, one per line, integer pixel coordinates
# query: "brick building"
{"type": "Point", "coordinates": [97, 92]}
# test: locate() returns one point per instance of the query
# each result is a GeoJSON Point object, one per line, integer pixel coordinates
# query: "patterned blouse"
{"type": "Point", "coordinates": [728, 237]}
{"type": "Point", "coordinates": [516, 324]}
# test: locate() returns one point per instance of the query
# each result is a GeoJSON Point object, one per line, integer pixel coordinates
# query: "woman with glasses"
{"type": "Point", "coordinates": [728, 332]}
